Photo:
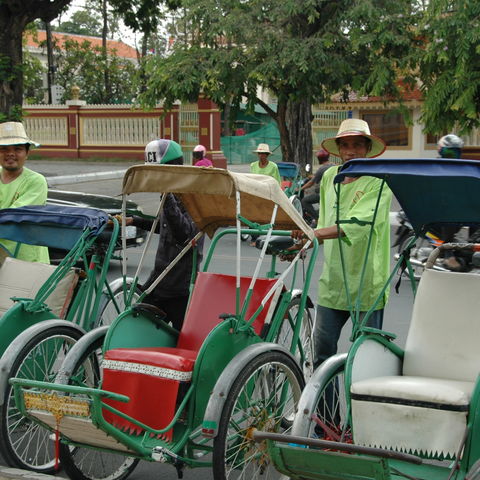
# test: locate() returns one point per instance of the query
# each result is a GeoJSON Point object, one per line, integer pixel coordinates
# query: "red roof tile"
{"type": "Point", "coordinates": [121, 49]}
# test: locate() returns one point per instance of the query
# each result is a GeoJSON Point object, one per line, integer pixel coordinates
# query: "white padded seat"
{"type": "Point", "coordinates": [425, 409]}
{"type": "Point", "coordinates": [22, 279]}
{"type": "Point", "coordinates": [417, 390]}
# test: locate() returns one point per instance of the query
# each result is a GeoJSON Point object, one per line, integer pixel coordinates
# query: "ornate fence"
{"type": "Point", "coordinates": [119, 131]}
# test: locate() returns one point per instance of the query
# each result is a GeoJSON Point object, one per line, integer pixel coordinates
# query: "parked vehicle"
{"type": "Point", "coordinates": [424, 245]}
{"type": "Point", "coordinates": [384, 411]}
{"type": "Point", "coordinates": [142, 390]}
{"type": "Point", "coordinates": [110, 205]}
{"type": "Point", "coordinates": [46, 309]}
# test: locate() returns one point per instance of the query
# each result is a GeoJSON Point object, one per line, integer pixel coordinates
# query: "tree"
{"type": "Point", "coordinates": [82, 22]}
{"type": "Point", "coordinates": [450, 65]}
{"type": "Point", "coordinates": [15, 15]}
{"type": "Point", "coordinates": [301, 50]}
{"type": "Point", "coordinates": [84, 65]}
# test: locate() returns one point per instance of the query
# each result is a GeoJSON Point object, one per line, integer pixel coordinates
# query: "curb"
{"type": "Point", "coordinates": [114, 174]}
{"type": "Point", "coordinates": [84, 177]}
{"type": "Point", "coordinates": [7, 473]}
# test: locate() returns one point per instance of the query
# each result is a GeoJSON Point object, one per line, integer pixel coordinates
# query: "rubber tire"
{"type": "Point", "coordinates": [107, 311]}
{"type": "Point", "coordinates": [277, 365]}
{"type": "Point", "coordinates": [42, 448]}
{"type": "Point", "coordinates": [285, 333]}
{"type": "Point", "coordinates": [91, 358]}
{"type": "Point", "coordinates": [335, 415]}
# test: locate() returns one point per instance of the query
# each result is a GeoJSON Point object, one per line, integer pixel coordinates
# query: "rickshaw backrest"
{"type": "Point", "coordinates": [444, 334]}
{"type": "Point", "coordinates": [214, 295]}
{"type": "Point", "coordinates": [22, 279]}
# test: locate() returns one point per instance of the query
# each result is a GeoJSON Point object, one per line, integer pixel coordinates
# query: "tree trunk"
{"type": "Point", "coordinates": [281, 119]}
{"type": "Point", "coordinates": [50, 66]}
{"type": "Point", "coordinates": [11, 60]}
{"type": "Point", "coordinates": [14, 16]}
{"type": "Point", "coordinates": [299, 126]}
{"type": "Point", "coordinates": [106, 75]}
{"type": "Point", "coordinates": [227, 130]}
{"type": "Point", "coordinates": [142, 57]}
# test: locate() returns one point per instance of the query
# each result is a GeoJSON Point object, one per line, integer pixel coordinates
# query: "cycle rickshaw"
{"type": "Point", "coordinates": [46, 308]}
{"type": "Point", "coordinates": [141, 390]}
{"type": "Point", "coordinates": [386, 412]}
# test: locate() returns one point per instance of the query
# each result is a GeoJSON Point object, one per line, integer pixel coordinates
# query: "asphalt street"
{"type": "Point", "coordinates": [84, 177]}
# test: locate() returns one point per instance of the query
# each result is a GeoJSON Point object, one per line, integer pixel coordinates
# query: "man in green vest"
{"type": "Point", "coordinates": [358, 197]}
{"type": "Point", "coordinates": [20, 186]}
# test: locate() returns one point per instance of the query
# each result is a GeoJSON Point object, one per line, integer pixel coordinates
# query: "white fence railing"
{"type": "Point", "coordinates": [47, 130]}
{"type": "Point", "coordinates": [118, 131]}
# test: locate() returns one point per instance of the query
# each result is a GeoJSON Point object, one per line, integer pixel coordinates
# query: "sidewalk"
{"type": "Point", "coordinates": [8, 473]}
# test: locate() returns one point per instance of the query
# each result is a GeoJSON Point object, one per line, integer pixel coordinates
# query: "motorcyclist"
{"type": "Point", "coordinates": [199, 158]}
{"type": "Point", "coordinates": [176, 228]}
{"type": "Point", "coordinates": [450, 146]}
{"type": "Point", "coordinates": [309, 200]}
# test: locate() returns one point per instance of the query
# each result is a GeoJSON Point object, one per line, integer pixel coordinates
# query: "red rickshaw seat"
{"type": "Point", "coordinates": [142, 373]}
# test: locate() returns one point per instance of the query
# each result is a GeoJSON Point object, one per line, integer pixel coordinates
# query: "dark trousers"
{"type": "Point", "coordinates": [308, 201]}
{"type": "Point", "coordinates": [174, 307]}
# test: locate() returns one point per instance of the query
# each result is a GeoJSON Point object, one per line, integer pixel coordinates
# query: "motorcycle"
{"type": "Point", "coordinates": [464, 259]}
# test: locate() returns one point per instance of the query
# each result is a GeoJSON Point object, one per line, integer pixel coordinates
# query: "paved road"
{"type": "Point", "coordinates": [396, 318]}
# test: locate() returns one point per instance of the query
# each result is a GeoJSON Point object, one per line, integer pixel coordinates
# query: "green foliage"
{"type": "Point", "coordinates": [298, 49]}
{"type": "Point", "coordinates": [33, 72]}
{"type": "Point", "coordinates": [83, 22]}
{"type": "Point", "coordinates": [89, 21]}
{"type": "Point", "coordinates": [83, 65]}
{"type": "Point", "coordinates": [450, 65]}
{"type": "Point", "coordinates": [14, 114]}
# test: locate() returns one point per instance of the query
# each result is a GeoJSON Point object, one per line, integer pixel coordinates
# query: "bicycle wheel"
{"type": "Point", "coordinates": [323, 408]}
{"type": "Point", "coordinates": [304, 349]}
{"type": "Point", "coordinates": [111, 306]}
{"type": "Point", "coordinates": [86, 463]}
{"type": "Point", "coordinates": [23, 443]}
{"type": "Point", "coordinates": [261, 397]}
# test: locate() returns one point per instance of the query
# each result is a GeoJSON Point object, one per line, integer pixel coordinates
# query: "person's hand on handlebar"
{"type": "Point", "coordinates": [299, 241]}
{"type": "Point", "coordinates": [128, 220]}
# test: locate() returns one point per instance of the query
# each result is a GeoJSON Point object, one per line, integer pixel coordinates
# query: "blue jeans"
{"type": "Point", "coordinates": [328, 327]}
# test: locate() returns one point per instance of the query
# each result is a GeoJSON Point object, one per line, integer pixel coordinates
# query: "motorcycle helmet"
{"type": "Point", "coordinates": [199, 152]}
{"type": "Point", "coordinates": [450, 146]}
{"type": "Point", "coordinates": [163, 151]}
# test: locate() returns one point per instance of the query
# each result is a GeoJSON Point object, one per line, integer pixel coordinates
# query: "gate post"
{"type": "Point", "coordinates": [210, 130]}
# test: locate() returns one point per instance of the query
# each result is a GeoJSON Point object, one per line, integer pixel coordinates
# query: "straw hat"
{"type": "Point", "coordinates": [350, 127]}
{"type": "Point", "coordinates": [263, 148]}
{"type": "Point", "coordinates": [13, 133]}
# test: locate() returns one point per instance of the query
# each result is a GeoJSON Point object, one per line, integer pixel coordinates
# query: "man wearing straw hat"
{"type": "Point", "coordinates": [263, 166]}
{"type": "Point", "coordinates": [358, 197]}
{"type": "Point", "coordinates": [20, 186]}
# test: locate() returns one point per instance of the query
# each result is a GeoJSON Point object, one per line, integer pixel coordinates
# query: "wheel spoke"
{"type": "Point", "coordinates": [265, 399]}
{"type": "Point", "coordinates": [26, 444]}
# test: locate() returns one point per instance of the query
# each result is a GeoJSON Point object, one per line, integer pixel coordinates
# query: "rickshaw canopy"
{"type": "Point", "coordinates": [50, 225]}
{"type": "Point", "coordinates": [209, 195]}
{"type": "Point", "coordinates": [430, 191]}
